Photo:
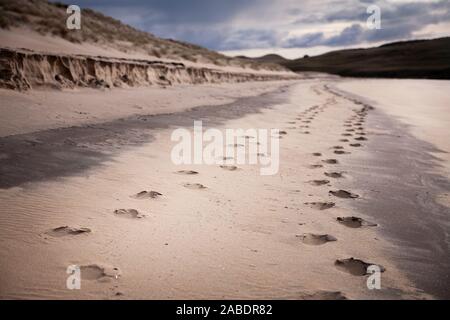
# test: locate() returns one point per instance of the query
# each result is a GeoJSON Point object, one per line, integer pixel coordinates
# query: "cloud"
{"type": "Point", "coordinates": [247, 24]}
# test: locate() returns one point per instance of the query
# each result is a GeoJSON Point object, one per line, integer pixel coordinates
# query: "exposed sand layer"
{"type": "Point", "coordinates": [108, 198]}
{"type": "Point", "coordinates": [23, 69]}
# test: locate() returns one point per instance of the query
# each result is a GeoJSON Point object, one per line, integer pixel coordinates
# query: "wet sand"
{"type": "Point", "coordinates": [241, 235]}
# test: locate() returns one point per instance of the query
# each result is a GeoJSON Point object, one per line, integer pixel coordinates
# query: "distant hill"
{"type": "Point", "coordinates": [268, 58]}
{"type": "Point", "coordinates": [407, 59]}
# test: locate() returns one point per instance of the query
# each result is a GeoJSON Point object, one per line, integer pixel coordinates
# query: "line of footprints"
{"type": "Point", "coordinates": [353, 134]}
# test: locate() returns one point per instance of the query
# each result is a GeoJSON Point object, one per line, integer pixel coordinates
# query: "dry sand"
{"type": "Point", "coordinates": [241, 236]}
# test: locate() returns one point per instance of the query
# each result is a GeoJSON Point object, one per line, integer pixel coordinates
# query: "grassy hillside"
{"type": "Point", "coordinates": [50, 18]}
{"type": "Point", "coordinates": [409, 59]}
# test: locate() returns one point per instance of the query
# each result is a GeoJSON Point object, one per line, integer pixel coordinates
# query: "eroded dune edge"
{"type": "Point", "coordinates": [25, 69]}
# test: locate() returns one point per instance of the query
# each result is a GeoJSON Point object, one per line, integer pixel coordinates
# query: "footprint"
{"type": "Point", "coordinates": [291, 122]}
{"type": "Point", "coordinates": [330, 161]}
{"type": "Point", "coordinates": [317, 154]}
{"type": "Point", "coordinates": [321, 205]}
{"type": "Point", "coordinates": [187, 172]}
{"type": "Point", "coordinates": [349, 130]}
{"type": "Point", "coordinates": [324, 295]}
{"type": "Point", "coordinates": [343, 140]}
{"type": "Point", "coordinates": [343, 194]}
{"type": "Point", "coordinates": [194, 186]}
{"type": "Point", "coordinates": [340, 152]}
{"type": "Point", "coordinates": [229, 168]}
{"type": "Point", "coordinates": [147, 194]}
{"type": "Point", "coordinates": [361, 138]}
{"type": "Point", "coordinates": [129, 213]}
{"type": "Point", "coordinates": [355, 144]}
{"type": "Point", "coordinates": [67, 231]}
{"type": "Point", "coordinates": [355, 222]}
{"type": "Point", "coordinates": [282, 132]}
{"type": "Point", "coordinates": [99, 272]}
{"type": "Point", "coordinates": [354, 267]}
{"type": "Point", "coordinates": [337, 147]}
{"type": "Point", "coordinates": [334, 174]}
{"type": "Point", "coordinates": [315, 239]}
{"type": "Point", "coordinates": [319, 182]}
{"type": "Point", "coordinates": [306, 132]}
{"type": "Point", "coordinates": [315, 166]}
{"type": "Point", "coordinates": [346, 134]}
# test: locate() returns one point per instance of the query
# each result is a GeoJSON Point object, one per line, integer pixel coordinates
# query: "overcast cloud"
{"type": "Point", "coordinates": [285, 26]}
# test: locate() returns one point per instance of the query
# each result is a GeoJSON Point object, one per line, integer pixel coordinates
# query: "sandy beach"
{"type": "Point", "coordinates": [70, 177]}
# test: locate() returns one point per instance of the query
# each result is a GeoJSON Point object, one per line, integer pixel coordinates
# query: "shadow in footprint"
{"type": "Point", "coordinates": [320, 205]}
{"type": "Point", "coordinates": [188, 172]}
{"type": "Point", "coordinates": [99, 272]}
{"type": "Point", "coordinates": [229, 168]}
{"type": "Point", "coordinates": [129, 213]}
{"type": "Point", "coordinates": [147, 195]}
{"type": "Point", "coordinates": [194, 186]}
{"type": "Point", "coordinates": [319, 182]}
{"type": "Point", "coordinates": [341, 152]}
{"type": "Point", "coordinates": [315, 239]}
{"type": "Point", "coordinates": [67, 231]}
{"type": "Point", "coordinates": [330, 161]}
{"type": "Point", "coordinates": [355, 222]}
{"type": "Point", "coordinates": [334, 174]}
{"type": "Point", "coordinates": [343, 194]}
{"type": "Point", "coordinates": [354, 266]}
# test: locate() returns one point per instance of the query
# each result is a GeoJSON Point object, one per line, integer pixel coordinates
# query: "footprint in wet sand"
{"type": "Point", "coordinates": [324, 295]}
{"type": "Point", "coordinates": [282, 132]}
{"type": "Point", "coordinates": [317, 154]}
{"type": "Point", "coordinates": [330, 161]}
{"type": "Point", "coordinates": [346, 134]}
{"type": "Point", "coordinates": [354, 266]}
{"type": "Point", "coordinates": [194, 186]}
{"type": "Point", "coordinates": [147, 195]}
{"type": "Point", "coordinates": [315, 166]}
{"type": "Point", "coordinates": [355, 222]}
{"type": "Point", "coordinates": [341, 152]}
{"type": "Point", "coordinates": [334, 174]}
{"type": "Point", "coordinates": [343, 194]}
{"type": "Point", "coordinates": [321, 205]}
{"type": "Point", "coordinates": [355, 144]}
{"type": "Point", "coordinates": [229, 168]}
{"type": "Point", "coordinates": [187, 172]}
{"type": "Point", "coordinates": [361, 138]}
{"type": "Point", "coordinates": [67, 231]}
{"type": "Point", "coordinates": [315, 239]}
{"type": "Point", "coordinates": [319, 182]}
{"type": "Point", "coordinates": [129, 213]}
{"type": "Point", "coordinates": [99, 272]}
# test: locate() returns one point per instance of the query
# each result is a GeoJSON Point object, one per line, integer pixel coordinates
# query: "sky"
{"type": "Point", "coordinates": [291, 28]}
